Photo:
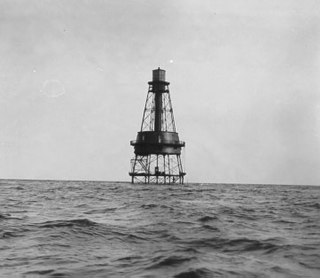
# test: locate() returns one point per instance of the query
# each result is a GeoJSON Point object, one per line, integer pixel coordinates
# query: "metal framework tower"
{"type": "Point", "coordinates": [157, 147]}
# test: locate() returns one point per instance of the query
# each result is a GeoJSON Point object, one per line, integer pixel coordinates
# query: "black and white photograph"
{"type": "Point", "coordinates": [158, 139]}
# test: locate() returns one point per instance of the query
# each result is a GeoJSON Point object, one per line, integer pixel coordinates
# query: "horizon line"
{"type": "Point", "coordinates": [186, 183]}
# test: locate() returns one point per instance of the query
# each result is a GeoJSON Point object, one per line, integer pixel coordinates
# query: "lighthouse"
{"type": "Point", "coordinates": [157, 148]}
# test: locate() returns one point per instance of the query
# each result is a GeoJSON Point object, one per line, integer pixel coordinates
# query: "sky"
{"type": "Point", "coordinates": [244, 84]}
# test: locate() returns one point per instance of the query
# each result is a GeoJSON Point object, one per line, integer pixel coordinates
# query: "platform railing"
{"type": "Point", "coordinates": [176, 143]}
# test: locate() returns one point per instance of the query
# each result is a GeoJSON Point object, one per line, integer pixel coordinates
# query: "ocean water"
{"type": "Point", "coordinates": [113, 229]}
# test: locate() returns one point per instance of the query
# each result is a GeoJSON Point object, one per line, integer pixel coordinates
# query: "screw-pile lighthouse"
{"type": "Point", "coordinates": [157, 147]}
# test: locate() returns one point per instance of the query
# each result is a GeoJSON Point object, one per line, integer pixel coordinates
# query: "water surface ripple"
{"type": "Point", "coordinates": [114, 229]}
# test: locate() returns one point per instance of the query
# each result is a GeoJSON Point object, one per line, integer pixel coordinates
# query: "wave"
{"type": "Point", "coordinates": [67, 223]}
{"type": "Point", "coordinates": [207, 218]}
{"type": "Point", "coordinates": [98, 211]}
{"type": "Point", "coordinates": [246, 245]}
{"type": "Point", "coordinates": [7, 234]}
{"type": "Point", "coordinates": [89, 229]}
{"type": "Point", "coordinates": [208, 273]}
{"type": "Point", "coordinates": [195, 273]}
{"type": "Point", "coordinates": [237, 245]}
{"type": "Point", "coordinates": [315, 205]}
{"type": "Point", "coordinates": [212, 228]}
{"type": "Point", "coordinates": [7, 216]}
{"type": "Point", "coordinates": [148, 206]}
{"type": "Point", "coordinates": [47, 273]}
{"type": "Point", "coordinates": [13, 231]}
{"type": "Point", "coordinates": [173, 260]}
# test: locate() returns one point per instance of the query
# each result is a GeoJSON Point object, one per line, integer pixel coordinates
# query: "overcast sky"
{"type": "Point", "coordinates": [244, 86]}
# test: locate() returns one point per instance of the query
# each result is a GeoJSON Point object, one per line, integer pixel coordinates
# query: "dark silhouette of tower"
{"type": "Point", "coordinates": [157, 147]}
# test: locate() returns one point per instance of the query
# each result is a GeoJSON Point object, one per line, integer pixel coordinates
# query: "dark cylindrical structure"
{"type": "Point", "coordinates": [158, 107]}
{"type": "Point", "coordinates": [158, 84]}
{"type": "Point", "coordinates": [158, 75]}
